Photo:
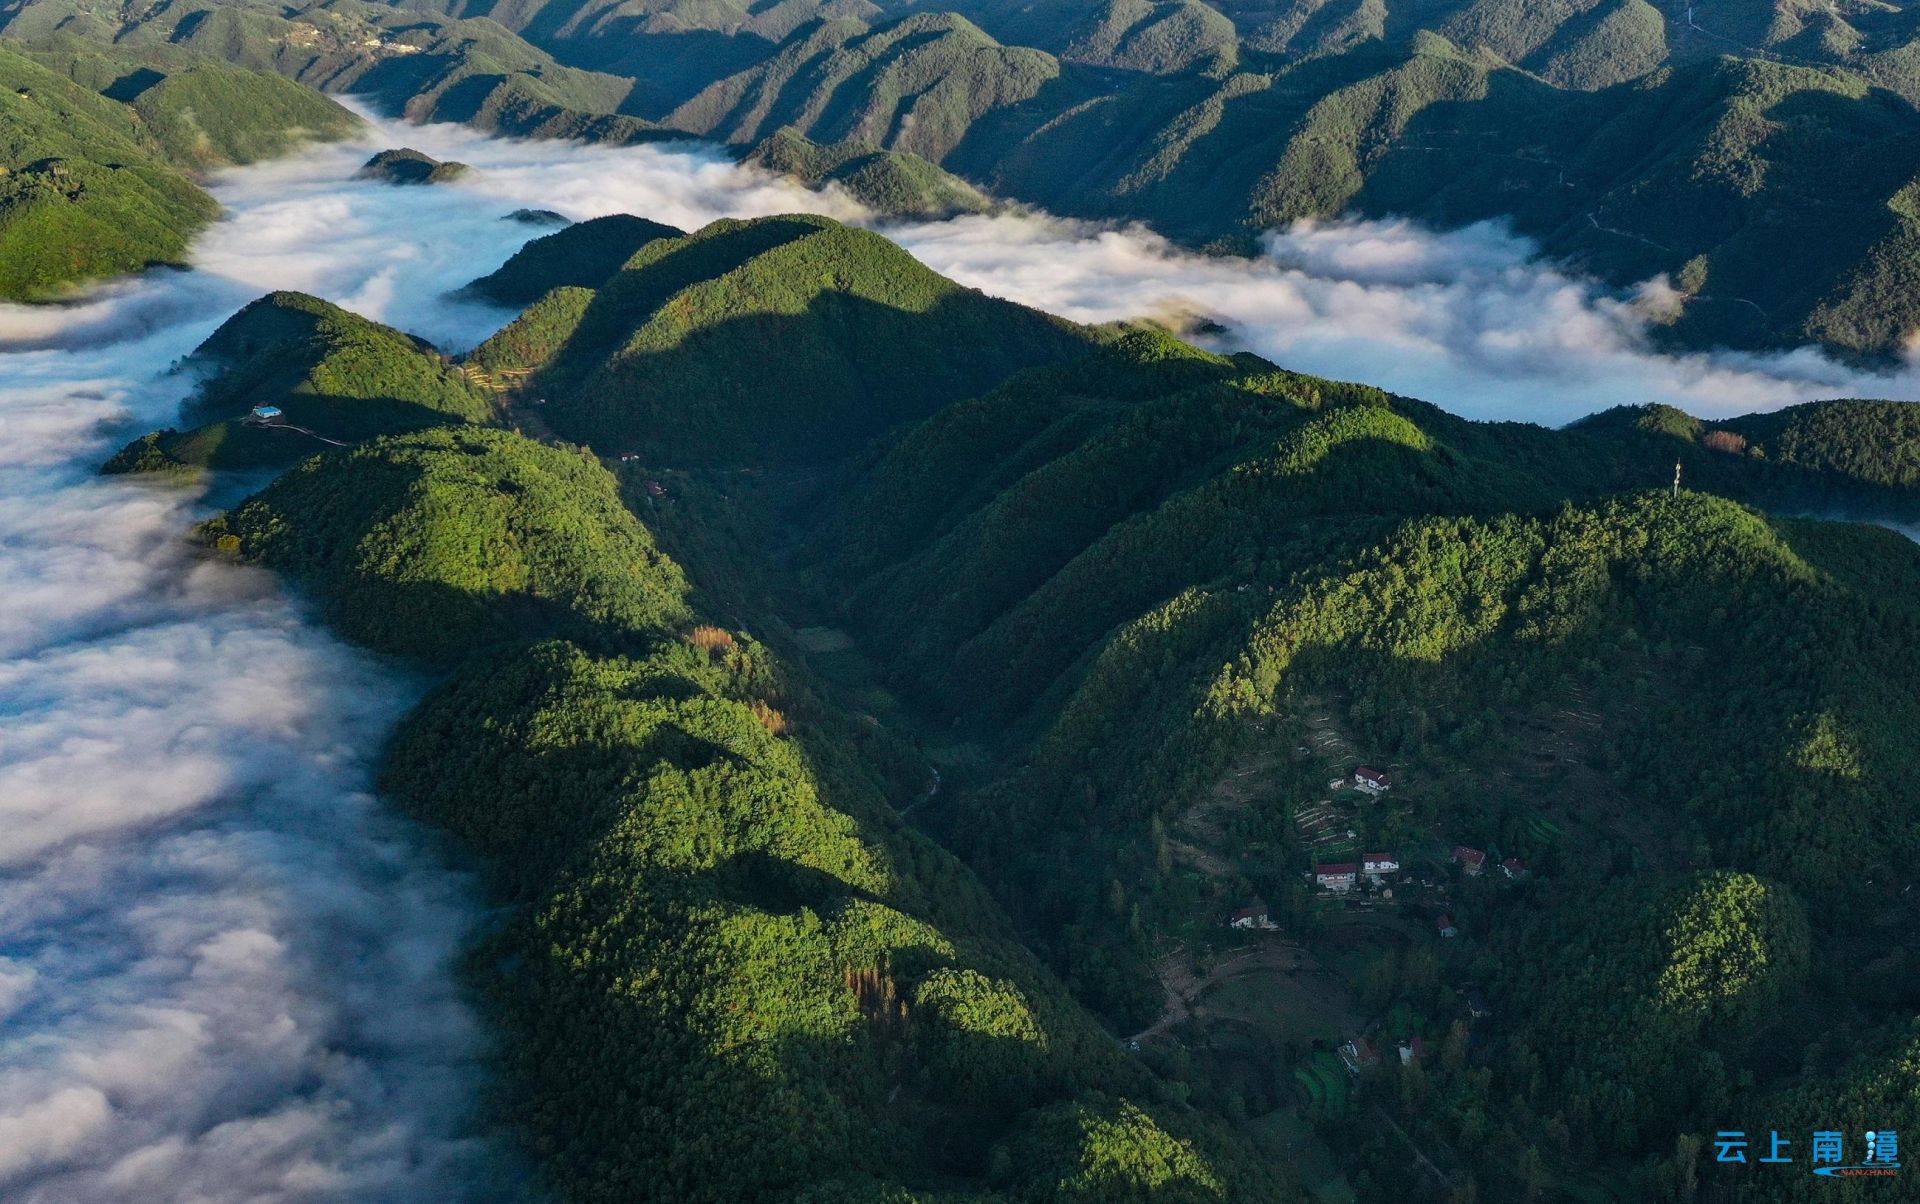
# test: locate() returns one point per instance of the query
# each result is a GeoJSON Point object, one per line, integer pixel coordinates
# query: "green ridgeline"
{"type": "Point", "coordinates": [337, 378]}
{"type": "Point", "coordinates": [405, 61]}
{"type": "Point", "coordinates": [792, 339]}
{"type": "Point", "coordinates": [730, 971]}
{"type": "Point", "coordinates": [456, 538]}
{"type": "Point", "coordinates": [915, 85]}
{"type": "Point", "coordinates": [1876, 442]}
{"type": "Point", "coordinates": [199, 111]}
{"type": "Point", "coordinates": [1760, 157]}
{"type": "Point", "coordinates": [583, 255]}
{"type": "Point", "coordinates": [888, 183]}
{"type": "Point", "coordinates": [1125, 581]}
{"type": "Point", "coordinates": [1114, 571]}
{"type": "Point", "coordinates": [81, 198]}
{"type": "Point", "coordinates": [95, 179]}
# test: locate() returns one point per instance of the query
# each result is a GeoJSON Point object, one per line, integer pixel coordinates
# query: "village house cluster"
{"type": "Point", "coordinates": [1372, 868]}
{"type": "Point", "coordinates": [1473, 862]}
{"type": "Point", "coordinates": [1375, 868]}
{"type": "Point", "coordinates": [1325, 826]}
{"type": "Point", "coordinates": [1330, 830]}
{"type": "Point", "coordinates": [1362, 1053]}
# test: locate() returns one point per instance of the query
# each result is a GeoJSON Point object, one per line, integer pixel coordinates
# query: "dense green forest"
{"type": "Point", "coordinates": [890, 182]}
{"type": "Point", "coordinates": [98, 147]}
{"type": "Point", "coordinates": [849, 336]}
{"type": "Point", "coordinates": [335, 376]}
{"type": "Point", "coordinates": [731, 972]}
{"type": "Point", "coordinates": [1136, 582]}
{"type": "Point", "coordinates": [583, 255]}
{"type": "Point", "coordinates": [1759, 156]}
{"type": "Point", "coordinates": [867, 758]}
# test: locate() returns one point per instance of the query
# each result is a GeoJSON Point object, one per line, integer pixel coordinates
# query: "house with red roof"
{"type": "Point", "coordinates": [1371, 780]}
{"type": "Point", "coordinates": [1379, 865]}
{"type": "Point", "coordinates": [1445, 925]}
{"type": "Point", "coordinates": [1474, 861]}
{"type": "Point", "coordinates": [1340, 875]}
{"type": "Point", "coordinates": [1359, 1054]}
{"type": "Point", "coordinates": [1251, 917]}
{"type": "Point", "coordinates": [1514, 867]}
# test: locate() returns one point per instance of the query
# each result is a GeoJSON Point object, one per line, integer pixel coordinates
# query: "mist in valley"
{"type": "Point", "coordinates": [227, 970]}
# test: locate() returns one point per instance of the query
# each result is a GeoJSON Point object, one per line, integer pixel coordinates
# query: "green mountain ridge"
{"type": "Point", "coordinates": [582, 255]}
{"type": "Point", "coordinates": [1126, 602]}
{"type": "Point", "coordinates": [200, 112]}
{"type": "Point", "coordinates": [888, 183]}
{"type": "Point", "coordinates": [657, 357]}
{"type": "Point", "coordinates": [1136, 603]}
{"type": "Point", "coordinates": [717, 835]}
{"type": "Point", "coordinates": [96, 150]}
{"type": "Point", "coordinates": [1759, 157]}
{"type": "Point", "coordinates": [337, 378]}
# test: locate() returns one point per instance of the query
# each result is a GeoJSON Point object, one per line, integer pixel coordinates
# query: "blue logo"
{"type": "Point", "coordinates": [1882, 1160]}
{"type": "Point", "coordinates": [1880, 1149]}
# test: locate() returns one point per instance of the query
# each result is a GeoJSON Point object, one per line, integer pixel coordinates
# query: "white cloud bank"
{"type": "Point", "coordinates": [224, 966]}
{"type": "Point", "coordinates": [1471, 319]}
{"type": "Point", "coordinates": [225, 971]}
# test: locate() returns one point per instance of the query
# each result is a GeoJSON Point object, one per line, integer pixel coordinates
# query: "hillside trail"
{"type": "Point", "coordinates": [925, 796]}
{"type": "Point", "coordinates": [508, 389]}
{"type": "Point", "coordinates": [1184, 990]}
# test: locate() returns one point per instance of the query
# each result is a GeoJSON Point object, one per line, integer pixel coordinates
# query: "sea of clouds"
{"type": "Point", "coordinates": [227, 970]}
{"type": "Point", "coordinates": [1470, 319]}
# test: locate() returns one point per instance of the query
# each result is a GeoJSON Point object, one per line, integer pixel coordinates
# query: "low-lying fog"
{"type": "Point", "coordinates": [1468, 319]}
{"type": "Point", "coordinates": [226, 971]}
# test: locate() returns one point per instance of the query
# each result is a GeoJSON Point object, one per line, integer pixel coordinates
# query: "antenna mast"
{"type": "Point", "coordinates": [1676, 480]}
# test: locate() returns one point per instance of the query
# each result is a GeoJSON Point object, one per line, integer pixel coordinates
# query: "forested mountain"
{"type": "Point", "coordinates": [891, 182]}
{"type": "Point", "coordinates": [334, 376]}
{"type": "Point", "coordinates": [98, 148]}
{"type": "Point", "coordinates": [733, 972]}
{"type": "Point", "coordinates": [784, 338]}
{"type": "Point", "coordinates": [1140, 585]}
{"type": "Point", "coordinates": [1877, 442]}
{"type": "Point", "coordinates": [404, 165]}
{"type": "Point", "coordinates": [476, 72]}
{"type": "Point", "coordinates": [870, 769]}
{"type": "Point", "coordinates": [1759, 154]}
{"type": "Point", "coordinates": [583, 255]}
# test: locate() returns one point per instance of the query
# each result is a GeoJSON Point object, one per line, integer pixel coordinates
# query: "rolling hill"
{"type": "Point", "coordinates": [889, 183]}
{"type": "Point", "coordinates": [404, 165]}
{"type": "Point", "coordinates": [1150, 609]}
{"type": "Point", "coordinates": [868, 787]}
{"type": "Point", "coordinates": [785, 338]}
{"type": "Point", "coordinates": [583, 255]}
{"type": "Point", "coordinates": [1759, 157]}
{"type": "Point", "coordinates": [684, 826]}
{"type": "Point", "coordinates": [97, 151]}
{"type": "Point", "coordinates": [200, 112]}
{"type": "Point", "coordinates": [338, 378]}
